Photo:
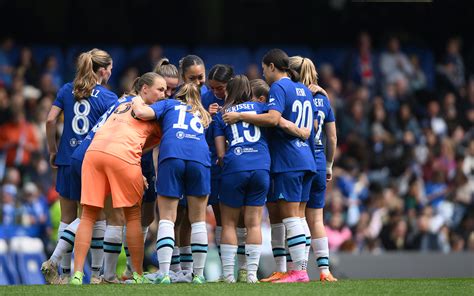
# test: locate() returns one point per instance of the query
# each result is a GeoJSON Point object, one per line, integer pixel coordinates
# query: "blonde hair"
{"type": "Point", "coordinates": [189, 93]}
{"type": "Point", "coordinates": [88, 63]}
{"type": "Point", "coordinates": [306, 69]}
{"type": "Point", "coordinates": [166, 69]}
{"type": "Point", "coordinates": [147, 78]}
{"type": "Point", "coordinates": [259, 88]}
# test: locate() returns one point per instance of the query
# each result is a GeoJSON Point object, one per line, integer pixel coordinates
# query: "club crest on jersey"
{"type": "Point", "coordinates": [238, 150]}
{"type": "Point", "coordinates": [180, 135]}
{"type": "Point", "coordinates": [74, 142]}
{"type": "Point", "coordinates": [300, 92]}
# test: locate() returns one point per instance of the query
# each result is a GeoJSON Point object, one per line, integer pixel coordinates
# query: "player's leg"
{"type": "Point", "coordinates": [314, 216]}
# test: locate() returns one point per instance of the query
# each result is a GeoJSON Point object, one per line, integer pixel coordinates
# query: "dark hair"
{"type": "Point", "coordinates": [280, 60]}
{"type": "Point", "coordinates": [238, 91]}
{"type": "Point", "coordinates": [189, 61]}
{"type": "Point", "coordinates": [221, 73]}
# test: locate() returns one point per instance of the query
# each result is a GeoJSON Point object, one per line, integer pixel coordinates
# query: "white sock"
{"type": "Point", "coordinates": [112, 249]}
{"type": "Point", "coordinates": [228, 253]}
{"type": "Point", "coordinates": [199, 245]}
{"type": "Point", "coordinates": [241, 259]}
{"type": "Point", "coordinates": [175, 260]}
{"type": "Point", "coordinates": [63, 250]}
{"type": "Point", "coordinates": [278, 246]}
{"type": "Point", "coordinates": [165, 245]}
{"type": "Point", "coordinates": [97, 247]}
{"type": "Point", "coordinates": [218, 235]}
{"type": "Point", "coordinates": [321, 253]}
{"type": "Point", "coordinates": [253, 258]}
{"type": "Point", "coordinates": [296, 240]}
{"type": "Point", "coordinates": [289, 261]}
{"type": "Point", "coordinates": [186, 258]}
{"type": "Point", "coordinates": [307, 233]}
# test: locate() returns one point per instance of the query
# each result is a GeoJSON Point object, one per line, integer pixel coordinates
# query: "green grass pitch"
{"type": "Point", "coordinates": [343, 287]}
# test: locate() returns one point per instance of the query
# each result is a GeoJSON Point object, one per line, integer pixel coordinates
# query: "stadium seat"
{"type": "Point", "coordinates": [28, 254]}
{"type": "Point", "coordinates": [427, 62]}
{"type": "Point", "coordinates": [238, 57]}
{"type": "Point", "coordinates": [336, 56]}
{"type": "Point", "coordinates": [8, 275]}
{"type": "Point", "coordinates": [174, 53]}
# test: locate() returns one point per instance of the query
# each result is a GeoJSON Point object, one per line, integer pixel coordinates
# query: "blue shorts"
{"type": "Point", "coordinates": [63, 179]}
{"type": "Point", "coordinates": [76, 179]}
{"type": "Point", "coordinates": [178, 177]}
{"type": "Point", "coordinates": [150, 194]}
{"type": "Point", "coordinates": [318, 190]}
{"type": "Point", "coordinates": [291, 186]}
{"type": "Point", "coordinates": [248, 188]}
{"type": "Point", "coordinates": [215, 185]}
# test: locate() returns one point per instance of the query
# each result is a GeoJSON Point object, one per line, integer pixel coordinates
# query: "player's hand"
{"type": "Point", "coordinates": [52, 160]}
{"type": "Point", "coordinates": [316, 88]}
{"type": "Point", "coordinates": [305, 133]}
{"type": "Point", "coordinates": [145, 183]}
{"type": "Point", "coordinates": [231, 117]}
{"type": "Point", "coordinates": [214, 108]}
{"type": "Point", "coordinates": [329, 171]}
{"type": "Point", "coordinates": [220, 162]}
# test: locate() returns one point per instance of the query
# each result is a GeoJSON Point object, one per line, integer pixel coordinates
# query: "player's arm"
{"type": "Point", "coordinates": [270, 119]}
{"type": "Point", "coordinates": [330, 129]}
{"type": "Point", "coordinates": [51, 128]}
{"type": "Point", "coordinates": [290, 127]}
{"type": "Point", "coordinates": [142, 110]}
{"type": "Point", "coordinates": [220, 149]}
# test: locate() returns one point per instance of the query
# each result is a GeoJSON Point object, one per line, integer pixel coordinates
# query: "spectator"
{"type": "Point", "coordinates": [418, 78]}
{"type": "Point", "coordinates": [148, 61]}
{"type": "Point", "coordinates": [27, 67]}
{"type": "Point", "coordinates": [6, 64]}
{"type": "Point", "coordinates": [18, 139]}
{"type": "Point", "coordinates": [394, 63]}
{"type": "Point", "coordinates": [362, 65]}
{"type": "Point", "coordinates": [253, 72]}
{"type": "Point", "coordinates": [9, 211]}
{"type": "Point", "coordinates": [336, 231]}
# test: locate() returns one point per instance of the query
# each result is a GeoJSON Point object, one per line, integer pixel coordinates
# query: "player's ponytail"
{"type": "Point", "coordinates": [238, 91]}
{"type": "Point", "coordinates": [166, 69]}
{"type": "Point", "coordinates": [190, 95]}
{"type": "Point", "coordinates": [306, 69]}
{"type": "Point", "coordinates": [88, 63]}
{"type": "Point", "coordinates": [280, 60]}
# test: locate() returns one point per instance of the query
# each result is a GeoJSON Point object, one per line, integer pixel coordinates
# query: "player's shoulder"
{"type": "Point", "coordinates": [66, 88]}
{"type": "Point", "coordinates": [106, 93]}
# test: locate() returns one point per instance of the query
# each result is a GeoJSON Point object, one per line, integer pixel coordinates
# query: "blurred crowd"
{"type": "Point", "coordinates": [404, 168]}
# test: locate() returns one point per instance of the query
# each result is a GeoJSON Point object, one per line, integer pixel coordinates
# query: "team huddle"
{"type": "Point", "coordinates": [178, 143]}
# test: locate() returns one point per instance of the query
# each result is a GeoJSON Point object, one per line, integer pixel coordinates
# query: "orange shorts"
{"type": "Point", "coordinates": [104, 174]}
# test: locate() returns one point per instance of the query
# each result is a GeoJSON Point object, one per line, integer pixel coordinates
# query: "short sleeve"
{"type": "Point", "coordinates": [219, 126]}
{"type": "Point", "coordinates": [59, 101]}
{"type": "Point", "coordinates": [159, 108]}
{"type": "Point", "coordinates": [276, 98]}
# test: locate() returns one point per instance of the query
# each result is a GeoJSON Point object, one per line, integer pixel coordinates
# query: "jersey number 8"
{"type": "Point", "coordinates": [81, 116]}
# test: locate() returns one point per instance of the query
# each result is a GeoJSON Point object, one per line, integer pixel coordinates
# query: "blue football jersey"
{"type": "Point", "coordinates": [79, 117]}
{"type": "Point", "coordinates": [81, 150]}
{"type": "Point", "coordinates": [323, 113]}
{"type": "Point", "coordinates": [183, 134]}
{"type": "Point", "coordinates": [208, 99]}
{"type": "Point", "coordinates": [248, 148]}
{"type": "Point", "coordinates": [295, 103]}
